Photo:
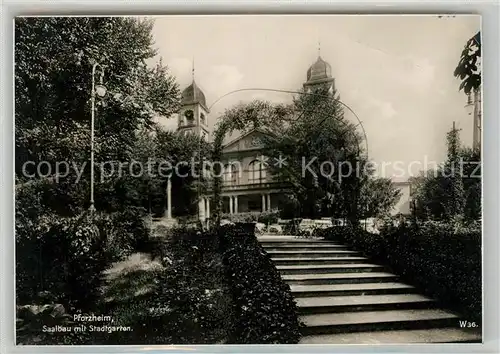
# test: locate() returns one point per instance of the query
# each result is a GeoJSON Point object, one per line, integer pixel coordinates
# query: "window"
{"type": "Point", "coordinates": [230, 173]}
{"type": "Point", "coordinates": [189, 114]}
{"type": "Point", "coordinates": [256, 172]}
{"type": "Point", "coordinates": [202, 118]}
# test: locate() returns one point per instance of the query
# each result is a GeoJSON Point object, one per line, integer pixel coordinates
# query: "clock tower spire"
{"type": "Point", "coordinates": [193, 115]}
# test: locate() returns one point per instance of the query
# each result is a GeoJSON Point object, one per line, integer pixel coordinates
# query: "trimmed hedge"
{"type": "Point", "coordinates": [371, 245]}
{"type": "Point", "coordinates": [266, 217]}
{"type": "Point", "coordinates": [264, 309]}
{"type": "Point", "coordinates": [442, 260]}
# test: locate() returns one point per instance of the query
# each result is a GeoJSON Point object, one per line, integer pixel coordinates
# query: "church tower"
{"type": "Point", "coordinates": [193, 115]}
{"type": "Point", "coordinates": [319, 75]}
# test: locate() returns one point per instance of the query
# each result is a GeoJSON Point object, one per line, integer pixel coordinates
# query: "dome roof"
{"type": "Point", "coordinates": [320, 70]}
{"type": "Point", "coordinates": [193, 94]}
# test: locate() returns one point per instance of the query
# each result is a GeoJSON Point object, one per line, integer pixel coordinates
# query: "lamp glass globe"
{"type": "Point", "coordinates": [100, 90]}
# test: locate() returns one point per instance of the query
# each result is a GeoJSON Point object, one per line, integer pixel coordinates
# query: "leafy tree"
{"type": "Point", "coordinates": [318, 136]}
{"type": "Point", "coordinates": [311, 131]}
{"type": "Point", "coordinates": [454, 189]}
{"type": "Point", "coordinates": [53, 65]}
{"type": "Point", "coordinates": [468, 69]}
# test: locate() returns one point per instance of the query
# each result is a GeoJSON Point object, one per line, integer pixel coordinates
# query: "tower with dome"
{"type": "Point", "coordinates": [319, 75]}
{"type": "Point", "coordinates": [193, 115]}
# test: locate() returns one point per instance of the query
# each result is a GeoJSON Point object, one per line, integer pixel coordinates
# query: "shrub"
{"type": "Point", "coordinates": [189, 302]}
{"type": "Point", "coordinates": [371, 245]}
{"type": "Point", "coordinates": [442, 259]}
{"type": "Point", "coordinates": [132, 232]}
{"type": "Point", "coordinates": [31, 320]}
{"type": "Point", "coordinates": [445, 261]}
{"type": "Point", "coordinates": [61, 258]}
{"type": "Point", "coordinates": [264, 309]}
{"type": "Point", "coordinates": [266, 217]}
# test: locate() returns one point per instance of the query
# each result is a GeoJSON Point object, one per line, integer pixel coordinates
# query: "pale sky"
{"type": "Point", "coordinates": [395, 72]}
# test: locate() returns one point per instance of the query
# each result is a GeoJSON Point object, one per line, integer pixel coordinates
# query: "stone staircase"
{"type": "Point", "coordinates": [344, 299]}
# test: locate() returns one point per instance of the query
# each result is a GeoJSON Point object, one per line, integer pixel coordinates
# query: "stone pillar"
{"type": "Point", "coordinates": [269, 202]}
{"type": "Point", "coordinates": [207, 213]}
{"type": "Point", "coordinates": [236, 204]}
{"type": "Point", "coordinates": [169, 199]}
{"type": "Point", "coordinates": [201, 207]}
{"type": "Point", "coordinates": [230, 204]}
{"type": "Point", "coordinates": [263, 202]}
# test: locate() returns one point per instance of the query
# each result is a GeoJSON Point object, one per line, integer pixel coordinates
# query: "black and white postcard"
{"type": "Point", "coordinates": [248, 179]}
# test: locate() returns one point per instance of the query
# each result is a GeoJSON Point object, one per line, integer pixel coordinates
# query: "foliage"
{"type": "Point", "coordinates": [313, 128]}
{"type": "Point", "coordinates": [62, 250]}
{"type": "Point", "coordinates": [471, 180]}
{"type": "Point", "coordinates": [454, 205]}
{"type": "Point", "coordinates": [189, 302]}
{"type": "Point", "coordinates": [30, 322]}
{"type": "Point", "coordinates": [132, 233]}
{"type": "Point", "coordinates": [372, 245]}
{"type": "Point", "coordinates": [442, 259]}
{"type": "Point", "coordinates": [378, 196]}
{"type": "Point", "coordinates": [62, 256]}
{"type": "Point", "coordinates": [454, 189]}
{"type": "Point", "coordinates": [290, 207]}
{"type": "Point", "coordinates": [61, 259]}
{"type": "Point", "coordinates": [264, 309]}
{"type": "Point", "coordinates": [53, 78]}
{"type": "Point", "coordinates": [318, 136]}
{"type": "Point", "coordinates": [266, 217]}
{"type": "Point", "coordinates": [184, 154]}
{"type": "Point", "coordinates": [468, 69]}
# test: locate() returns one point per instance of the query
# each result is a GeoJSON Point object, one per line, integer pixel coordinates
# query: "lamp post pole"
{"type": "Point", "coordinates": [102, 92]}
{"type": "Point", "coordinates": [92, 207]}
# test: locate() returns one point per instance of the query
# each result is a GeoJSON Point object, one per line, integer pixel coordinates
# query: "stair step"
{"type": "Point", "coordinates": [343, 300]}
{"type": "Point", "coordinates": [350, 289]}
{"type": "Point", "coordinates": [305, 248]}
{"type": "Point", "coordinates": [318, 260]}
{"type": "Point", "coordinates": [338, 278]}
{"type": "Point", "coordinates": [311, 254]}
{"type": "Point", "coordinates": [329, 268]}
{"type": "Point", "coordinates": [287, 240]}
{"type": "Point", "coordinates": [302, 244]}
{"type": "Point", "coordinates": [377, 321]}
{"type": "Point", "coordinates": [330, 304]}
{"type": "Point", "coordinates": [434, 335]}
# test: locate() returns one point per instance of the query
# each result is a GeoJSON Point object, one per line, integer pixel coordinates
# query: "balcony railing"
{"type": "Point", "coordinates": [254, 186]}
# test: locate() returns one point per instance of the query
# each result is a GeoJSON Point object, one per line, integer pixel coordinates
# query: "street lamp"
{"type": "Point", "coordinates": [100, 90]}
